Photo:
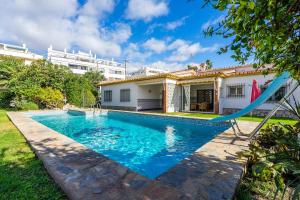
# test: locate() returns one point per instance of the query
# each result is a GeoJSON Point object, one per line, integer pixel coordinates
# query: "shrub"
{"type": "Point", "coordinates": [88, 99]}
{"type": "Point", "coordinates": [5, 99]}
{"type": "Point", "coordinates": [274, 157]}
{"type": "Point", "coordinates": [29, 106]}
{"type": "Point", "coordinates": [22, 104]}
{"type": "Point", "coordinates": [50, 98]}
{"type": "Point", "coordinates": [79, 91]}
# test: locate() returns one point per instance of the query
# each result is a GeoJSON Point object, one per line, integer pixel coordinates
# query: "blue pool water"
{"type": "Point", "coordinates": [147, 144]}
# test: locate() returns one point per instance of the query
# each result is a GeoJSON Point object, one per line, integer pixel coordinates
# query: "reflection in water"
{"type": "Point", "coordinates": [170, 136]}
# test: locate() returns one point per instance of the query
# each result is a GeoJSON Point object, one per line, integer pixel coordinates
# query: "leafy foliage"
{"type": "Point", "coordinates": [267, 30]}
{"type": "Point", "coordinates": [209, 64]}
{"type": "Point", "coordinates": [79, 91]}
{"type": "Point", "coordinates": [9, 67]}
{"type": "Point", "coordinates": [50, 98]}
{"type": "Point", "coordinates": [5, 98]}
{"type": "Point", "coordinates": [23, 104]}
{"type": "Point", "coordinates": [94, 78]}
{"type": "Point", "coordinates": [275, 156]}
{"type": "Point", "coordinates": [195, 68]}
{"type": "Point", "coordinates": [45, 84]}
{"type": "Point", "coordinates": [28, 106]}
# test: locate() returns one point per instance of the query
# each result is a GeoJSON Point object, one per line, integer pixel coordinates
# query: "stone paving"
{"type": "Point", "coordinates": [212, 172]}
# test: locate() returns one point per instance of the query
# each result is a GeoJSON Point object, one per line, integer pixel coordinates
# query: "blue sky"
{"type": "Point", "coordinates": [166, 34]}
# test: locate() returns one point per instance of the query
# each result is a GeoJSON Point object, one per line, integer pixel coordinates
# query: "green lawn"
{"type": "Point", "coordinates": [22, 175]}
{"type": "Point", "coordinates": [246, 118]}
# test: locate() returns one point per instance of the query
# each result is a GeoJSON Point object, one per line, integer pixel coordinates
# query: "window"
{"type": "Point", "coordinates": [125, 95]}
{"type": "Point", "coordinates": [115, 72]}
{"type": "Point", "coordinates": [279, 94]}
{"type": "Point", "coordinates": [107, 96]}
{"type": "Point", "coordinates": [236, 91]}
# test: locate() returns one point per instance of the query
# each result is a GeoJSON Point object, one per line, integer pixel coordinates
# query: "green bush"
{"type": "Point", "coordinates": [43, 83]}
{"type": "Point", "coordinates": [274, 160]}
{"type": "Point", "coordinates": [5, 99]}
{"type": "Point", "coordinates": [50, 98]}
{"type": "Point", "coordinates": [22, 104]}
{"type": "Point", "coordinates": [79, 91]}
{"type": "Point", "coordinates": [88, 99]}
{"type": "Point", "coordinates": [29, 106]}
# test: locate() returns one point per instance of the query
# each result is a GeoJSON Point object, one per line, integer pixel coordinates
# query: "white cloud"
{"type": "Point", "coordinates": [184, 50]}
{"type": "Point", "coordinates": [121, 33]}
{"type": "Point", "coordinates": [62, 23]}
{"type": "Point", "coordinates": [167, 66]}
{"type": "Point", "coordinates": [135, 54]}
{"type": "Point", "coordinates": [213, 22]}
{"type": "Point", "coordinates": [175, 24]}
{"type": "Point", "coordinates": [172, 25]}
{"type": "Point", "coordinates": [146, 10]}
{"type": "Point", "coordinates": [158, 46]}
{"type": "Point", "coordinates": [177, 44]}
{"type": "Point", "coordinates": [180, 50]}
{"type": "Point", "coordinates": [173, 66]}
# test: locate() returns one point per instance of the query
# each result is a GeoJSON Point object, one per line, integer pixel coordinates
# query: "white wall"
{"type": "Point", "coordinates": [116, 94]}
{"type": "Point", "coordinates": [239, 103]}
{"type": "Point", "coordinates": [150, 96]}
{"type": "Point", "coordinates": [149, 92]}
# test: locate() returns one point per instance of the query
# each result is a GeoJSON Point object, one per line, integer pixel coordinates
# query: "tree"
{"type": "Point", "coordinates": [79, 91]}
{"type": "Point", "coordinates": [94, 77]}
{"type": "Point", "coordinates": [43, 83]}
{"type": "Point", "coordinates": [268, 31]}
{"type": "Point", "coordinates": [27, 82]}
{"type": "Point", "coordinates": [195, 68]}
{"type": "Point", "coordinates": [9, 67]}
{"type": "Point", "coordinates": [208, 64]}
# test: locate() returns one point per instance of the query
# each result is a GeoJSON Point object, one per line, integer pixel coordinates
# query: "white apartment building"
{"type": "Point", "coordinates": [81, 62]}
{"type": "Point", "coordinates": [147, 71]}
{"type": "Point", "coordinates": [19, 52]}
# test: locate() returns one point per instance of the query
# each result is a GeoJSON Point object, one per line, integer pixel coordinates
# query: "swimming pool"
{"type": "Point", "coordinates": [147, 144]}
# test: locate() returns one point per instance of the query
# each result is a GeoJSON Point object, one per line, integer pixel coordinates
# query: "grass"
{"type": "Point", "coordinates": [273, 120]}
{"type": "Point", "coordinates": [22, 175]}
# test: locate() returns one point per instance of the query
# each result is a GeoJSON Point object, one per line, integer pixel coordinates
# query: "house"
{"type": "Point", "coordinates": [147, 71]}
{"type": "Point", "coordinates": [220, 91]}
{"type": "Point", "coordinates": [19, 52]}
{"type": "Point", "coordinates": [82, 62]}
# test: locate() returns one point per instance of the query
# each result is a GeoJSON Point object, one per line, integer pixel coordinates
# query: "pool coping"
{"type": "Point", "coordinates": [212, 172]}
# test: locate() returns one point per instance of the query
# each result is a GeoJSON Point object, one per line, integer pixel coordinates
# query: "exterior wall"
{"type": "Point", "coordinates": [230, 105]}
{"type": "Point", "coordinates": [19, 52]}
{"type": "Point", "coordinates": [115, 103]}
{"type": "Point", "coordinates": [147, 71]}
{"type": "Point", "coordinates": [80, 63]}
{"type": "Point", "coordinates": [177, 97]}
{"type": "Point", "coordinates": [149, 97]}
{"type": "Point", "coordinates": [261, 113]}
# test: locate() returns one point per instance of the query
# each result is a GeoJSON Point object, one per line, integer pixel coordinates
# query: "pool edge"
{"type": "Point", "coordinates": [222, 168]}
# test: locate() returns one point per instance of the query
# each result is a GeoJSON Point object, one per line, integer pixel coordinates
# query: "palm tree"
{"type": "Point", "coordinates": [208, 64]}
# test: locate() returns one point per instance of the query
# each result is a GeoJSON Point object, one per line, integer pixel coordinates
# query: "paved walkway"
{"type": "Point", "coordinates": [212, 172]}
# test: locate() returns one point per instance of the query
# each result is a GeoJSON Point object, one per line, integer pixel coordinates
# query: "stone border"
{"type": "Point", "coordinates": [212, 172]}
